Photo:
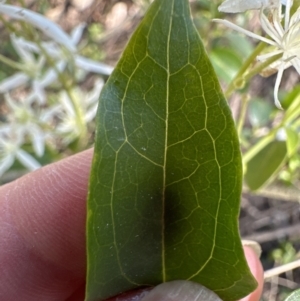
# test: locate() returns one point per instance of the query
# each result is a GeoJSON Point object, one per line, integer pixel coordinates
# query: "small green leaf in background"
{"type": "Point", "coordinates": [166, 176]}
{"type": "Point", "coordinates": [241, 44]}
{"type": "Point", "coordinates": [259, 112]}
{"type": "Point", "coordinates": [226, 63]}
{"type": "Point", "coordinates": [266, 164]}
{"type": "Point", "coordinates": [262, 167]}
{"type": "Point", "coordinates": [228, 53]}
{"type": "Point", "coordinates": [294, 296]}
{"type": "Point", "coordinates": [291, 97]}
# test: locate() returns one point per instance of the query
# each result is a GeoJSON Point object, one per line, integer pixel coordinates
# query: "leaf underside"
{"type": "Point", "coordinates": [166, 175]}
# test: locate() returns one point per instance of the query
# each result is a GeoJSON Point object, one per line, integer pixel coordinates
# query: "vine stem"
{"type": "Point", "coordinates": [243, 75]}
{"type": "Point", "coordinates": [11, 63]}
{"type": "Point", "coordinates": [239, 77]}
{"type": "Point", "coordinates": [290, 115]}
{"type": "Point", "coordinates": [242, 117]}
{"type": "Point", "coordinates": [261, 67]}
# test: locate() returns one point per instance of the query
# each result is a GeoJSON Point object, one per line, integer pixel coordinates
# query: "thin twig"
{"type": "Point", "coordinates": [287, 283]}
{"type": "Point", "coordinates": [282, 269]}
{"type": "Point", "coordinates": [279, 192]}
{"type": "Point", "coordinates": [266, 236]}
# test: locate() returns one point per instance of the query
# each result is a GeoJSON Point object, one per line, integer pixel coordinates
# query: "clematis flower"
{"type": "Point", "coordinates": [25, 124]}
{"type": "Point", "coordinates": [239, 6]}
{"type": "Point", "coordinates": [11, 150]}
{"type": "Point", "coordinates": [282, 38]}
{"type": "Point", "coordinates": [73, 122]}
{"type": "Point", "coordinates": [30, 123]}
{"type": "Point", "coordinates": [32, 67]}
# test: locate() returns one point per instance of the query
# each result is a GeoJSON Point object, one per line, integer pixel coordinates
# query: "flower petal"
{"type": "Point", "coordinates": [276, 35]}
{"type": "Point", "coordinates": [244, 31]}
{"type": "Point", "coordinates": [93, 95]}
{"type": "Point", "coordinates": [48, 27]}
{"type": "Point", "coordinates": [14, 81]}
{"type": "Point", "coordinates": [234, 6]}
{"type": "Point", "coordinates": [77, 32]}
{"type": "Point", "coordinates": [38, 141]}
{"type": "Point", "coordinates": [23, 52]}
{"type": "Point", "coordinates": [39, 92]}
{"type": "Point", "coordinates": [277, 84]}
{"type": "Point", "coordinates": [5, 163]}
{"type": "Point", "coordinates": [264, 57]}
{"type": "Point", "coordinates": [92, 66]}
{"type": "Point", "coordinates": [27, 160]}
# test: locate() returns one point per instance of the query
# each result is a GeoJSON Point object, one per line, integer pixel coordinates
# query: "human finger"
{"type": "Point", "coordinates": [42, 232]}
{"type": "Point", "coordinates": [257, 271]}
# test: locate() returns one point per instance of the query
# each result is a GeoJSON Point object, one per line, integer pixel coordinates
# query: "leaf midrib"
{"type": "Point", "coordinates": [166, 146]}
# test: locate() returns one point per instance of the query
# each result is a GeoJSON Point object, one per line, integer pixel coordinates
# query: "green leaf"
{"type": "Point", "coordinates": [166, 176]}
{"type": "Point", "coordinates": [264, 165]}
{"type": "Point", "coordinates": [226, 63]}
{"type": "Point", "coordinates": [239, 43]}
{"type": "Point", "coordinates": [294, 296]}
{"type": "Point", "coordinates": [292, 141]}
{"type": "Point", "coordinates": [291, 97]}
{"type": "Point", "coordinates": [259, 112]}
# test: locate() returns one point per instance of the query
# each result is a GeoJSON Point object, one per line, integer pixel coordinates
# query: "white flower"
{"type": "Point", "coordinates": [31, 68]}
{"type": "Point", "coordinates": [10, 150]}
{"type": "Point", "coordinates": [74, 120]}
{"type": "Point", "coordinates": [28, 123]}
{"type": "Point", "coordinates": [283, 39]}
{"type": "Point", "coordinates": [33, 59]}
{"type": "Point", "coordinates": [31, 72]}
{"type": "Point", "coordinates": [238, 6]}
{"type": "Point", "coordinates": [48, 27]}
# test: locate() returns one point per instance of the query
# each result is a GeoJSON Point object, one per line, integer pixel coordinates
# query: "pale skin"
{"type": "Point", "coordinates": [42, 235]}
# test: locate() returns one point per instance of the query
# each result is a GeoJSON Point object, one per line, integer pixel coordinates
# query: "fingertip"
{"type": "Point", "coordinates": [256, 270]}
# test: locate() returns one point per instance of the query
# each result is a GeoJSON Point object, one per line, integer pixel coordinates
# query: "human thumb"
{"type": "Point", "coordinates": [180, 291]}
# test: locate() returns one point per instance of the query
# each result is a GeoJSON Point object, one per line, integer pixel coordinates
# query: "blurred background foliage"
{"type": "Point", "coordinates": [43, 120]}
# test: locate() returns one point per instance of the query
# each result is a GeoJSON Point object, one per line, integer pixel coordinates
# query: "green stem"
{"type": "Point", "coordinates": [296, 124]}
{"type": "Point", "coordinates": [261, 67]}
{"type": "Point", "coordinates": [8, 25]}
{"type": "Point", "coordinates": [11, 63]}
{"type": "Point", "coordinates": [232, 86]}
{"type": "Point", "coordinates": [291, 114]}
{"type": "Point", "coordinates": [242, 117]}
